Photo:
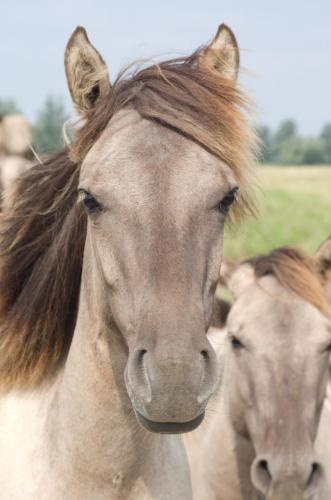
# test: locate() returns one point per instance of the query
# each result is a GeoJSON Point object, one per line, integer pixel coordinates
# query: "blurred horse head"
{"type": "Point", "coordinates": [279, 335]}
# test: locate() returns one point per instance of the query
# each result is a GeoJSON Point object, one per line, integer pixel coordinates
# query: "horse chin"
{"type": "Point", "coordinates": [169, 427]}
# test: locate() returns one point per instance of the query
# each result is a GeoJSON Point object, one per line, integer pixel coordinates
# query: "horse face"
{"type": "Point", "coordinates": [279, 349]}
{"type": "Point", "coordinates": [155, 229]}
{"type": "Point", "coordinates": [157, 203]}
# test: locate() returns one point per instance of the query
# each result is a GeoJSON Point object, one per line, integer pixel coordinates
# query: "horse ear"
{"type": "Point", "coordinates": [236, 277]}
{"type": "Point", "coordinates": [228, 267]}
{"type": "Point", "coordinates": [322, 259]}
{"type": "Point", "coordinates": [222, 54]}
{"type": "Point", "coordinates": [241, 279]}
{"type": "Point", "coordinates": [86, 72]}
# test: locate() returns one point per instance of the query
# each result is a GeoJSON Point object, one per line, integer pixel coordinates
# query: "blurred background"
{"type": "Point", "coordinates": [285, 52]}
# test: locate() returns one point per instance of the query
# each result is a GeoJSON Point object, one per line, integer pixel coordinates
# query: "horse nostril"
{"type": "Point", "coordinates": [140, 353]}
{"type": "Point", "coordinates": [204, 353]}
{"type": "Point", "coordinates": [261, 475]}
{"type": "Point", "coordinates": [263, 466]}
{"type": "Point", "coordinates": [137, 378]}
{"type": "Point", "coordinates": [209, 374]}
{"type": "Point", "coordinates": [315, 475]}
{"type": "Point", "coordinates": [137, 368]}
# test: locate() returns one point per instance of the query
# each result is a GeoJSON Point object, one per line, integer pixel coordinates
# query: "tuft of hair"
{"type": "Point", "coordinates": [42, 235]}
{"type": "Point", "coordinates": [41, 252]}
{"type": "Point", "coordinates": [296, 272]}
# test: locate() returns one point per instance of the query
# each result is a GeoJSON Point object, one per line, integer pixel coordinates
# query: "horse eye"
{"type": "Point", "coordinates": [236, 344]}
{"type": "Point", "coordinates": [90, 203]}
{"type": "Point", "coordinates": [227, 201]}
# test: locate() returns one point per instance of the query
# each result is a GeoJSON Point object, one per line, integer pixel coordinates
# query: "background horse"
{"type": "Point", "coordinates": [259, 438]}
{"type": "Point", "coordinates": [106, 295]}
{"type": "Point", "coordinates": [15, 136]}
{"type": "Point", "coordinates": [15, 142]}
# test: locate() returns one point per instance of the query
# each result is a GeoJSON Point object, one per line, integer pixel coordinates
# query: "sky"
{"type": "Point", "coordinates": [285, 47]}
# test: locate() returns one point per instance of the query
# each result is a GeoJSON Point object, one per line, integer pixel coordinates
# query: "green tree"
{"type": "Point", "coordinates": [49, 125]}
{"type": "Point", "coordinates": [287, 130]}
{"type": "Point", "coordinates": [326, 140]}
{"type": "Point", "coordinates": [266, 139]}
{"type": "Point", "coordinates": [313, 152]}
{"type": "Point", "coordinates": [302, 151]}
{"type": "Point", "coordinates": [286, 147]}
{"type": "Point", "coordinates": [290, 152]}
{"type": "Point", "coordinates": [8, 106]}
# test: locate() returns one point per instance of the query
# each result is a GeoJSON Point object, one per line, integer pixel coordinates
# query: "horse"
{"type": "Point", "coordinates": [11, 167]}
{"type": "Point", "coordinates": [258, 440]}
{"type": "Point", "coordinates": [15, 136]}
{"type": "Point", "coordinates": [15, 154]}
{"type": "Point", "coordinates": [109, 260]}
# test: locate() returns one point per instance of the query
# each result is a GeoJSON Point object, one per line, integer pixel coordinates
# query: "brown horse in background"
{"type": "Point", "coordinates": [15, 153]}
{"type": "Point", "coordinates": [259, 440]}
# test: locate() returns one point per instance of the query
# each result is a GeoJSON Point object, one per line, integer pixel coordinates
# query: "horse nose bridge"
{"type": "Point", "coordinates": [295, 433]}
{"type": "Point", "coordinates": [284, 424]}
{"type": "Point", "coordinates": [170, 327]}
{"type": "Point", "coordinates": [293, 444]}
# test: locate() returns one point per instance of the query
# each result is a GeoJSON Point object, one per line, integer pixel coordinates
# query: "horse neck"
{"type": "Point", "coordinates": [228, 454]}
{"type": "Point", "coordinates": [242, 447]}
{"type": "Point", "coordinates": [91, 420]}
{"type": "Point", "coordinates": [91, 407]}
{"type": "Point", "coordinates": [220, 452]}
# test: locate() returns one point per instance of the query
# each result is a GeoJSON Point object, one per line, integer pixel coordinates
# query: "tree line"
{"type": "Point", "coordinates": [284, 146]}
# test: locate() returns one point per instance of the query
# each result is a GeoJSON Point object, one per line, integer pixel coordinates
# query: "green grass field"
{"type": "Point", "coordinates": [294, 210]}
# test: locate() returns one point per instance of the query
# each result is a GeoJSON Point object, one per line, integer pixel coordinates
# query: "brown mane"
{"type": "Point", "coordinates": [42, 236]}
{"type": "Point", "coordinates": [324, 262]}
{"type": "Point", "coordinates": [296, 272]}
